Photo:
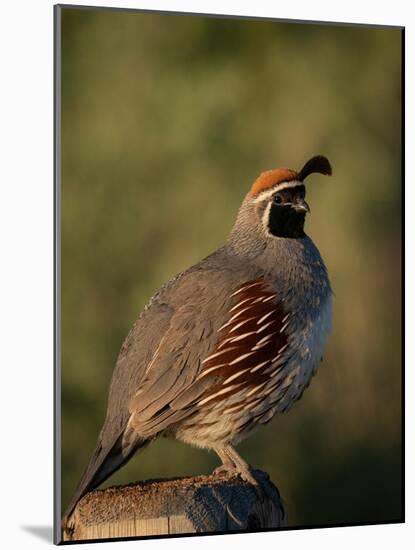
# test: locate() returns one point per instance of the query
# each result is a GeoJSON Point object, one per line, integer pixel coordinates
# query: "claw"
{"type": "Point", "coordinates": [248, 476]}
{"type": "Point", "coordinates": [235, 464]}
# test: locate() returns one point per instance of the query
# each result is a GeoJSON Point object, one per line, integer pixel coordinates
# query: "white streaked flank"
{"type": "Point", "coordinates": [275, 366]}
{"type": "Point", "coordinates": [242, 336]}
{"type": "Point", "coordinates": [210, 369]}
{"type": "Point", "coordinates": [256, 388]}
{"type": "Point", "coordinates": [264, 317]}
{"type": "Point", "coordinates": [226, 341]}
{"type": "Point", "coordinates": [241, 324]}
{"type": "Point", "coordinates": [259, 346]}
{"type": "Point", "coordinates": [241, 358]}
{"type": "Point", "coordinates": [216, 355]}
{"type": "Point", "coordinates": [257, 367]}
{"type": "Point", "coordinates": [239, 304]}
{"type": "Point", "coordinates": [252, 404]}
{"type": "Point", "coordinates": [264, 327]}
{"type": "Point", "coordinates": [238, 313]}
{"type": "Point", "coordinates": [264, 339]}
{"type": "Point", "coordinates": [246, 287]}
{"type": "Point", "coordinates": [257, 300]}
{"type": "Point", "coordinates": [220, 392]}
{"type": "Point", "coordinates": [282, 349]}
{"type": "Point", "coordinates": [284, 327]}
{"type": "Point", "coordinates": [232, 409]}
{"type": "Point", "coordinates": [239, 373]}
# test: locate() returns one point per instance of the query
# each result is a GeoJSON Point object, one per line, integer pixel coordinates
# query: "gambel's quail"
{"type": "Point", "coordinates": [225, 345]}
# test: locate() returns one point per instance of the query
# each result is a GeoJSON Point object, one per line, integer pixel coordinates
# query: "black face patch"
{"type": "Point", "coordinates": [284, 219]}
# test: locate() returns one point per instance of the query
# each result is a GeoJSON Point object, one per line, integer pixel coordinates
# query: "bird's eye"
{"type": "Point", "coordinates": [277, 199]}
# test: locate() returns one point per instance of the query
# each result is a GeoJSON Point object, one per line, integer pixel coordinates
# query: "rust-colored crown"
{"type": "Point", "coordinates": [270, 178]}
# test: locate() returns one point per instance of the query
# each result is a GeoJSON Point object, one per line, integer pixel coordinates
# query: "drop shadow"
{"type": "Point", "coordinates": [43, 532]}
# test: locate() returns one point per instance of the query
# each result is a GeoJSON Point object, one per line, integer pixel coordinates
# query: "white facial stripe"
{"type": "Point", "coordinates": [284, 185]}
{"type": "Point", "coordinates": [265, 218]}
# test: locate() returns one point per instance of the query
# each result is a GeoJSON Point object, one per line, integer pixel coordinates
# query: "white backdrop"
{"type": "Point", "coordinates": [26, 282]}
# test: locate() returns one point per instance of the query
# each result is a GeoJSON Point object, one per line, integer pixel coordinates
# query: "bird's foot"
{"type": "Point", "coordinates": [248, 475]}
{"type": "Point", "coordinates": [234, 464]}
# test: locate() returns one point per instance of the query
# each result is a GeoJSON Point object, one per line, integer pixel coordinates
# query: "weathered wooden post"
{"type": "Point", "coordinates": [203, 504]}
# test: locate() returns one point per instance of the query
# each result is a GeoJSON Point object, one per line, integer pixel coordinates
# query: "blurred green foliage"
{"type": "Point", "coordinates": [166, 121]}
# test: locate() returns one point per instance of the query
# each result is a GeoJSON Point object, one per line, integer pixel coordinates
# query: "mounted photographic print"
{"type": "Point", "coordinates": [228, 274]}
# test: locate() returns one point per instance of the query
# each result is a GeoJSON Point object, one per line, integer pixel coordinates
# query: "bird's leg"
{"type": "Point", "coordinates": [240, 465]}
{"type": "Point", "coordinates": [227, 465]}
{"type": "Point", "coordinates": [245, 471]}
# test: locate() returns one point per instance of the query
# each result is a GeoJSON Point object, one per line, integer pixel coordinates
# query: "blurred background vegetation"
{"type": "Point", "coordinates": [166, 121]}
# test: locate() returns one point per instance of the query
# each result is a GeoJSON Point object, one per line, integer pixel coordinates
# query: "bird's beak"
{"type": "Point", "coordinates": [301, 206]}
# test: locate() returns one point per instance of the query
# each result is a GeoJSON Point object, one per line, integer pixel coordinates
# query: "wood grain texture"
{"type": "Point", "coordinates": [203, 504]}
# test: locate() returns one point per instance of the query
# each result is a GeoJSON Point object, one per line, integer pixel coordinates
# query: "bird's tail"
{"type": "Point", "coordinates": [103, 463]}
